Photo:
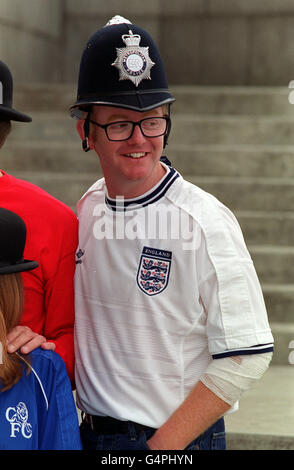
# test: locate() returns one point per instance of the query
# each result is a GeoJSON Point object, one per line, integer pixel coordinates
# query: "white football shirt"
{"type": "Point", "coordinates": [164, 284]}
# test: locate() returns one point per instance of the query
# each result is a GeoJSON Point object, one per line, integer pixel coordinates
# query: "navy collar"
{"type": "Point", "coordinates": [154, 195]}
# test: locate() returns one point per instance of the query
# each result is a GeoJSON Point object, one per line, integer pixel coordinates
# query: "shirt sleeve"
{"type": "Point", "coordinates": [229, 288]}
{"type": "Point", "coordinates": [49, 292]}
{"type": "Point", "coordinates": [59, 308]}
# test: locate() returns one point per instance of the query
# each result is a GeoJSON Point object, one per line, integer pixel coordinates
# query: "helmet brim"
{"type": "Point", "coordinates": [138, 101]}
{"type": "Point", "coordinates": [10, 114]}
{"type": "Point", "coordinates": [26, 265]}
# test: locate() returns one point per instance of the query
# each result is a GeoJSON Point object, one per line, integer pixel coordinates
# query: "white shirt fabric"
{"type": "Point", "coordinates": [154, 307]}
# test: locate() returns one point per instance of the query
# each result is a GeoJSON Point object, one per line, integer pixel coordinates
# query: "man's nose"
{"type": "Point", "coordinates": [137, 135]}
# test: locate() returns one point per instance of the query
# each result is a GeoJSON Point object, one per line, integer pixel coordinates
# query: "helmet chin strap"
{"type": "Point", "coordinates": [85, 142]}
{"type": "Point", "coordinates": [168, 129]}
{"type": "Point", "coordinates": [166, 135]}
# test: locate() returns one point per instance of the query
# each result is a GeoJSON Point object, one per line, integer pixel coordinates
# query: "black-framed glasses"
{"type": "Point", "coordinates": [123, 130]}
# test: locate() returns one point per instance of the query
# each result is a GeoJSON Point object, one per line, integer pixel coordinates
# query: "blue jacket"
{"type": "Point", "coordinates": [39, 413]}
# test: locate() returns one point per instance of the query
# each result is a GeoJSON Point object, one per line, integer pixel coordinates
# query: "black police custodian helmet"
{"type": "Point", "coordinates": [121, 66]}
{"type": "Point", "coordinates": [7, 112]}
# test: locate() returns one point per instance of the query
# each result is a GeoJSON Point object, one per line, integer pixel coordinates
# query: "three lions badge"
{"type": "Point", "coordinates": [153, 271]}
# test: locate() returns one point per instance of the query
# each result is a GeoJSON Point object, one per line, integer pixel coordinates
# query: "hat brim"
{"type": "Point", "coordinates": [26, 265]}
{"type": "Point", "coordinates": [137, 101]}
{"type": "Point", "coordinates": [10, 114]}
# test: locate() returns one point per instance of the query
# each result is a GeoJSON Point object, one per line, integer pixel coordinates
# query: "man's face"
{"type": "Point", "coordinates": [130, 167]}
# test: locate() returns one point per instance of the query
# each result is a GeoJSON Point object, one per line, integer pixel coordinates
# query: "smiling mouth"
{"type": "Point", "coordinates": [135, 155]}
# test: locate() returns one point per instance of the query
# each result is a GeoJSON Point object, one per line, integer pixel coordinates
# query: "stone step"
{"type": "Point", "coordinates": [265, 417]}
{"type": "Point", "coordinates": [229, 129]}
{"type": "Point", "coordinates": [283, 334]}
{"type": "Point", "coordinates": [232, 160]}
{"type": "Point", "coordinates": [279, 300]}
{"type": "Point", "coordinates": [30, 97]}
{"type": "Point", "coordinates": [232, 100]}
{"type": "Point", "coordinates": [244, 441]}
{"type": "Point", "coordinates": [190, 99]}
{"type": "Point", "coordinates": [194, 129]}
{"type": "Point", "coordinates": [46, 126]}
{"type": "Point", "coordinates": [199, 160]}
{"type": "Point", "coordinates": [267, 228]}
{"type": "Point", "coordinates": [248, 193]}
{"type": "Point", "coordinates": [51, 156]}
{"type": "Point", "coordinates": [273, 264]}
{"type": "Point", "coordinates": [66, 187]}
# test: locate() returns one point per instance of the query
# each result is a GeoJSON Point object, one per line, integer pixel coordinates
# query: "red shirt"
{"type": "Point", "coordinates": [51, 240]}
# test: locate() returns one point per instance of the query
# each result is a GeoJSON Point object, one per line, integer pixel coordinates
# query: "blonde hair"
{"type": "Point", "coordinates": [11, 307]}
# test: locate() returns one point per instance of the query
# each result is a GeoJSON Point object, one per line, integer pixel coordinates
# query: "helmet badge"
{"type": "Point", "coordinates": [133, 61]}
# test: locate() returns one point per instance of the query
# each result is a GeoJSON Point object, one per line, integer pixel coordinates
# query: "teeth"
{"type": "Point", "coordinates": [136, 155]}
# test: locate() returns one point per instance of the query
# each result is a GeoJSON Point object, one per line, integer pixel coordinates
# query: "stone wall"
{"type": "Point", "coordinates": [30, 37]}
{"type": "Point", "coordinates": [203, 42]}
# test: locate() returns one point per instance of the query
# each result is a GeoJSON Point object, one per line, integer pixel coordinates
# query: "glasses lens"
{"type": "Point", "coordinates": [150, 127]}
{"type": "Point", "coordinates": [119, 130]}
{"type": "Point", "coordinates": [153, 127]}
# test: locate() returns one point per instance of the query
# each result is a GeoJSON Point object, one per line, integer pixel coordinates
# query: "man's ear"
{"type": "Point", "coordinates": [80, 128]}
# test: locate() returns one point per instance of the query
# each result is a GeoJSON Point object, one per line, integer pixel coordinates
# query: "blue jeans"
{"type": "Point", "coordinates": [212, 439]}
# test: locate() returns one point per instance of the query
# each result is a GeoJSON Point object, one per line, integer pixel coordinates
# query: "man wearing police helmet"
{"type": "Point", "coordinates": [160, 356]}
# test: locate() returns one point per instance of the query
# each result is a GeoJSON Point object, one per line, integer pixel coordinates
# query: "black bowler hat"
{"type": "Point", "coordinates": [7, 113]}
{"type": "Point", "coordinates": [12, 243]}
{"type": "Point", "coordinates": [121, 66]}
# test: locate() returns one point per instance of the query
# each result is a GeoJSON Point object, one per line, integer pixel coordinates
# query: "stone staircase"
{"type": "Point", "coordinates": [236, 143]}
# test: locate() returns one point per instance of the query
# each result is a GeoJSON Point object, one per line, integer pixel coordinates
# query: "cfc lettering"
{"type": "Point", "coordinates": [18, 418]}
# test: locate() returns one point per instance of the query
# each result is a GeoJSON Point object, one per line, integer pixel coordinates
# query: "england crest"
{"type": "Point", "coordinates": [153, 271]}
{"type": "Point", "coordinates": [133, 62]}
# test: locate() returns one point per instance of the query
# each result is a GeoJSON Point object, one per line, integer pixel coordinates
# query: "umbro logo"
{"type": "Point", "coordinates": [79, 255]}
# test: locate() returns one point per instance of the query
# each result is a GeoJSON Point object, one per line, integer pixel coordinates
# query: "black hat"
{"type": "Point", "coordinates": [12, 243]}
{"type": "Point", "coordinates": [7, 113]}
{"type": "Point", "coordinates": [121, 66]}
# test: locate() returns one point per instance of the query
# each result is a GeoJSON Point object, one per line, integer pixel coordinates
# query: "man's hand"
{"type": "Point", "coordinates": [200, 409]}
{"type": "Point", "coordinates": [23, 338]}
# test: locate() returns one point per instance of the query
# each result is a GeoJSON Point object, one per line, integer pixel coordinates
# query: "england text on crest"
{"type": "Point", "coordinates": [154, 269]}
{"type": "Point", "coordinates": [133, 61]}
